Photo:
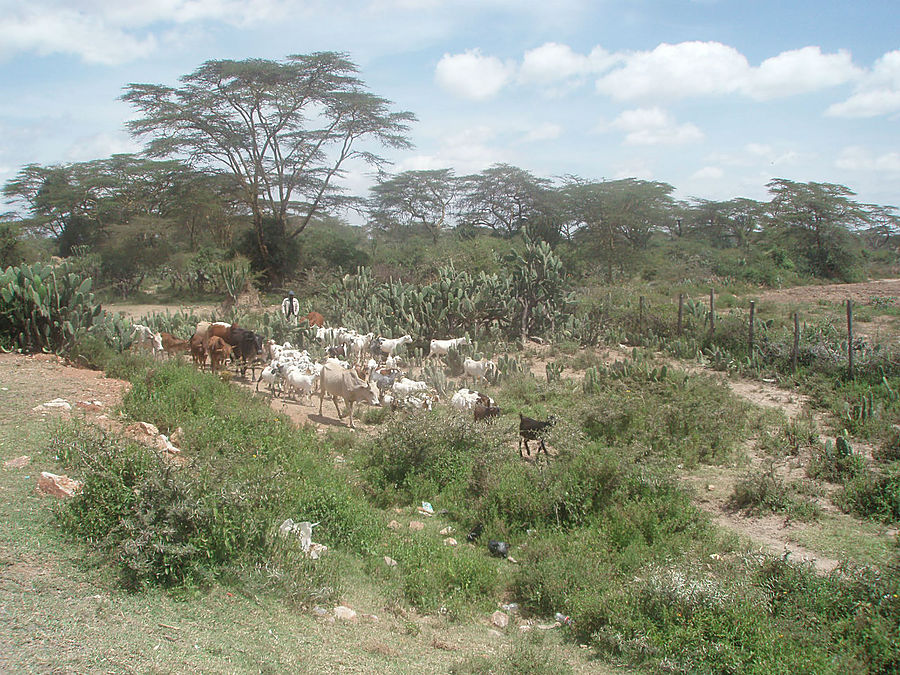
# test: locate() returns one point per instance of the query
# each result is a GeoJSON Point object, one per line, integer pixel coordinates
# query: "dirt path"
{"type": "Point", "coordinates": [862, 292]}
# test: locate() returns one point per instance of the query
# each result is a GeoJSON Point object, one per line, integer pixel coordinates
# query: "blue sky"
{"type": "Point", "coordinates": [715, 97]}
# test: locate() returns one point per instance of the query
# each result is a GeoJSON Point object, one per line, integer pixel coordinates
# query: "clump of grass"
{"type": "Point", "coordinates": [764, 491]}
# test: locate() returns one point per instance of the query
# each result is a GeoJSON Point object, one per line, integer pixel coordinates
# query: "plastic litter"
{"type": "Point", "coordinates": [500, 549]}
{"type": "Point", "coordinates": [563, 619]}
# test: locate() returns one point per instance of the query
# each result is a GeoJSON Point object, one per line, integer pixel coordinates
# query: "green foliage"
{"type": "Point", "coordinates": [251, 469]}
{"type": "Point", "coordinates": [235, 275]}
{"type": "Point", "coordinates": [439, 578]}
{"type": "Point", "coordinates": [529, 656]}
{"type": "Point", "coordinates": [835, 461]}
{"type": "Point", "coordinates": [44, 308]}
{"type": "Point", "coordinates": [764, 491]}
{"type": "Point", "coordinates": [873, 494]}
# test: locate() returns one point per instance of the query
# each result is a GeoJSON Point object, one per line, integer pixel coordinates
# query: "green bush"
{"type": "Point", "coordinates": [873, 494]}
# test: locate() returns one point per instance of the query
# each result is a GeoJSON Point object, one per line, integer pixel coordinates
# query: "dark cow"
{"type": "Point", "coordinates": [246, 346]}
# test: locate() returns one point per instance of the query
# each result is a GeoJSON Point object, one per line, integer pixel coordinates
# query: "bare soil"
{"type": "Point", "coordinates": [862, 292]}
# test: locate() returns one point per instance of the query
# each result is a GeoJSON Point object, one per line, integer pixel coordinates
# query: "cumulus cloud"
{"type": "Point", "coordinates": [756, 154]}
{"type": "Point", "coordinates": [468, 151]}
{"type": "Point", "coordinates": [799, 71]}
{"type": "Point", "coordinates": [856, 158]}
{"type": "Point", "coordinates": [110, 32]}
{"type": "Point", "coordinates": [101, 145]}
{"type": "Point", "coordinates": [473, 76]}
{"type": "Point", "coordinates": [552, 63]}
{"type": "Point", "coordinates": [686, 69]}
{"type": "Point", "coordinates": [878, 93]}
{"type": "Point", "coordinates": [654, 126]}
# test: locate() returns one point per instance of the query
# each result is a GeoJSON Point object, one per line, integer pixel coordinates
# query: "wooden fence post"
{"type": "Point", "coordinates": [641, 317]}
{"type": "Point", "coordinates": [752, 318]}
{"type": "Point", "coordinates": [680, 311]}
{"type": "Point", "coordinates": [795, 352]}
{"type": "Point", "coordinates": [850, 338]}
{"type": "Point", "coordinates": [712, 311]}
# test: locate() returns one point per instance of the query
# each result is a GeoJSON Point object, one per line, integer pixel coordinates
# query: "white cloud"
{"type": "Point", "coordinates": [473, 76]}
{"type": "Point", "coordinates": [799, 71]}
{"type": "Point", "coordinates": [878, 92]}
{"type": "Point", "coordinates": [686, 69]}
{"type": "Point", "coordinates": [552, 63]}
{"type": "Point", "coordinates": [676, 71]}
{"type": "Point", "coordinates": [467, 151]}
{"type": "Point", "coordinates": [756, 154]}
{"type": "Point", "coordinates": [633, 169]}
{"type": "Point", "coordinates": [856, 158]}
{"type": "Point", "coordinates": [654, 126]}
{"type": "Point", "coordinates": [70, 32]}
{"type": "Point", "coordinates": [543, 132]}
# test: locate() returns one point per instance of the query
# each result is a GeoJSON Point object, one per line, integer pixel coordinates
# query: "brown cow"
{"type": "Point", "coordinates": [218, 350]}
{"type": "Point", "coordinates": [314, 318]}
{"type": "Point", "coordinates": [173, 345]}
{"type": "Point", "coordinates": [198, 351]}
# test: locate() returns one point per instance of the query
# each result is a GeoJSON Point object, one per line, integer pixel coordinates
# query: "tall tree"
{"type": "Point", "coordinates": [420, 199]}
{"type": "Point", "coordinates": [815, 220]}
{"type": "Point", "coordinates": [727, 224]}
{"type": "Point", "coordinates": [504, 198]}
{"type": "Point", "coordinates": [284, 129]}
{"type": "Point", "coordinates": [616, 218]}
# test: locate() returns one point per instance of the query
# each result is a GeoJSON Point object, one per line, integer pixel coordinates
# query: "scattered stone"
{"type": "Point", "coordinates": [316, 550]}
{"type": "Point", "coordinates": [389, 561]}
{"type": "Point", "coordinates": [394, 525]}
{"type": "Point", "coordinates": [58, 486]}
{"type": "Point", "coordinates": [446, 646]}
{"type": "Point", "coordinates": [495, 633]}
{"type": "Point", "coordinates": [524, 628]}
{"type": "Point", "coordinates": [509, 558]}
{"type": "Point", "coordinates": [449, 541]}
{"type": "Point", "coordinates": [17, 463]}
{"type": "Point", "coordinates": [55, 404]}
{"type": "Point", "coordinates": [511, 607]}
{"type": "Point", "coordinates": [416, 525]}
{"type": "Point", "coordinates": [89, 405]}
{"type": "Point", "coordinates": [710, 487]}
{"type": "Point", "coordinates": [177, 437]}
{"type": "Point", "coordinates": [320, 612]}
{"type": "Point", "coordinates": [447, 530]}
{"type": "Point", "coordinates": [143, 429]}
{"type": "Point", "coordinates": [342, 613]}
{"type": "Point", "coordinates": [369, 617]}
{"type": "Point", "coordinates": [499, 619]}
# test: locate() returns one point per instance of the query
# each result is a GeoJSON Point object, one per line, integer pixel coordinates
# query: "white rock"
{"type": "Point", "coordinates": [342, 613]}
{"type": "Point", "coordinates": [390, 562]}
{"type": "Point", "coordinates": [499, 619]}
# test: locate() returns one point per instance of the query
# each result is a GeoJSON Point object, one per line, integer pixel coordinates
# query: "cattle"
{"type": "Point", "coordinates": [246, 346]}
{"type": "Point", "coordinates": [198, 350]}
{"type": "Point", "coordinates": [336, 381]}
{"type": "Point", "coordinates": [173, 345]}
{"type": "Point", "coordinates": [218, 351]}
{"type": "Point", "coordinates": [314, 319]}
{"type": "Point", "coordinates": [531, 429]}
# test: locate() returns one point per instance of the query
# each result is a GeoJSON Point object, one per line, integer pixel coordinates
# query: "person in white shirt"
{"type": "Point", "coordinates": [290, 307]}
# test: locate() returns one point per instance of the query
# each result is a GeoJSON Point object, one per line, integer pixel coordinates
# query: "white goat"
{"type": "Point", "coordinates": [404, 387]}
{"type": "Point", "coordinates": [467, 399]}
{"type": "Point", "coordinates": [390, 345]}
{"type": "Point", "coordinates": [144, 337]}
{"type": "Point", "coordinates": [441, 347]}
{"type": "Point", "coordinates": [300, 382]}
{"type": "Point", "coordinates": [478, 370]}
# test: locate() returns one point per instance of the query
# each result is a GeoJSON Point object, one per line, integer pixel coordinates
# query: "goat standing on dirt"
{"type": "Point", "coordinates": [531, 429]}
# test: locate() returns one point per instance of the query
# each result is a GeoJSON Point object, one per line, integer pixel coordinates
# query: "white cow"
{"type": "Point", "coordinates": [335, 380]}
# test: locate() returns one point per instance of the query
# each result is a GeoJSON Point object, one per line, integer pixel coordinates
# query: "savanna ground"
{"type": "Point", "coordinates": [61, 610]}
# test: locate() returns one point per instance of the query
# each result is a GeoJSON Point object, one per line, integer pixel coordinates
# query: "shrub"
{"type": "Point", "coordinates": [873, 494]}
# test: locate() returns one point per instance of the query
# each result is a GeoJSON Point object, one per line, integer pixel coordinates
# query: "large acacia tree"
{"type": "Point", "coordinates": [421, 199]}
{"type": "Point", "coordinates": [284, 129]}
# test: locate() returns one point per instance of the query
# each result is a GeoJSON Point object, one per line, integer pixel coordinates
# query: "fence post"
{"type": "Point", "coordinates": [680, 310]}
{"type": "Point", "coordinates": [850, 338]}
{"type": "Point", "coordinates": [795, 352]}
{"type": "Point", "coordinates": [712, 311]}
{"type": "Point", "coordinates": [752, 318]}
{"type": "Point", "coordinates": [641, 317]}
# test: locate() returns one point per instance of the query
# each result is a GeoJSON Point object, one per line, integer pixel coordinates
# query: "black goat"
{"type": "Point", "coordinates": [531, 429]}
{"type": "Point", "coordinates": [485, 412]}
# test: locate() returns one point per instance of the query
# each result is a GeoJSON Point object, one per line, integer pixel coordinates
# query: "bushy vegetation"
{"type": "Point", "coordinates": [173, 525]}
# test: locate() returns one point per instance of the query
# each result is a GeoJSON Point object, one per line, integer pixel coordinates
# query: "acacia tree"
{"type": "Point", "coordinates": [504, 198]}
{"type": "Point", "coordinates": [283, 129]}
{"type": "Point", "coordinates": [616, 218]}
{"type": "Point", "coordinates": [415, 198]}
{"type": "Point", "coordinates": [815, 220]}
{"type": "Point", "coordinates": [730, 223]}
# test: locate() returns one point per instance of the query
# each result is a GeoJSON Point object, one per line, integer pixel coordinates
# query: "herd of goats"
{"type": "Point", "coordinates": [357, 368]}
